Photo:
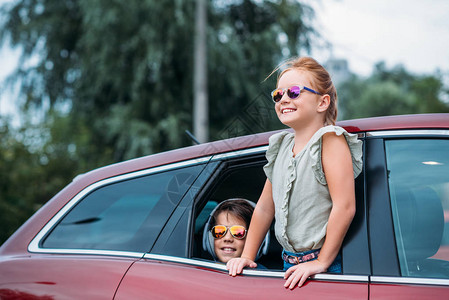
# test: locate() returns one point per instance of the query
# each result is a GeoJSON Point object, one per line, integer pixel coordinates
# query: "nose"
{"type": "Point", "coordinates": [228, 237]}
{"type": "Point", "coordinates": [285, 98]}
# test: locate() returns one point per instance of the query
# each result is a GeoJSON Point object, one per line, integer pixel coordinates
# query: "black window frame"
{"type": "Point", "coordinates": [175, 237]}
{"type": "Point", "coordinates": [382, 242]}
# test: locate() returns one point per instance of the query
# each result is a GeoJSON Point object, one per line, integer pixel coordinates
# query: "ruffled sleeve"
{"type": "Point", "coordinates": [274, 143]}
{"type": "Point", "coordinates": [355, 146]}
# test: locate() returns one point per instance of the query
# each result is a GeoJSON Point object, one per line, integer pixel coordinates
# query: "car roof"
{"type": "Point", "coordinates": [421, 121]}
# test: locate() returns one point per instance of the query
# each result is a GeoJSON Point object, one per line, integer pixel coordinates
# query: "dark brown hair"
{"type": "Point", "coordinates": [238, 207]}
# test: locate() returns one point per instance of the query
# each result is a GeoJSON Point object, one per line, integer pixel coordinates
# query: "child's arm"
{"type": "Point", "coordinates": [338, 169]}
{"type": "Point", "coordinates": [260, 223]}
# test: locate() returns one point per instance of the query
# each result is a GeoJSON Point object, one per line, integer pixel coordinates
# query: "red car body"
{"type": "Point", "coordinates": [29, 270]}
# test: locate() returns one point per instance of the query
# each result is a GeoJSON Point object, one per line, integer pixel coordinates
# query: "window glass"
{"type": "Point", "coordinates": [126, 215]}
{"type": "Point", "coordinates": [418, 174]}
{"type": "Point", "coordinates": [244, 180]}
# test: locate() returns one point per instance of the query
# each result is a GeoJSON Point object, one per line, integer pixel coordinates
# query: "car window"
{"type": "Point", "coordinates": [418, 176]}
{"type": "Point", "coordinates": [126, 215]}
{"type": "Point", "coordinates": [236, 180]}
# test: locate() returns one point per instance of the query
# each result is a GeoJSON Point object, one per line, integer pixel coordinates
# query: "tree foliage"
{"type": "Point", "coordinates": [29, 175]}
{"type": "Point", "coordinates": [124, 68]}
{"type": "Point", "coordinates": [391, 92]}
{"type": "Point", "coordinates": [113, 80]}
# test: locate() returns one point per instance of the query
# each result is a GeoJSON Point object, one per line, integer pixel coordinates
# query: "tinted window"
{"type": "Point", "coordinates": [418, 174]}
{"type": "Point", "coordinates": [238, 179]}
{"type": "Point", "coordinates": [126, 215]}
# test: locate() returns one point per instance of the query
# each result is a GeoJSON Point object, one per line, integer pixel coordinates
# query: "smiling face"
{"type": "Point", "coordinates": [303, 110]}
{"type": "Point", "coordinates": [228, 247]}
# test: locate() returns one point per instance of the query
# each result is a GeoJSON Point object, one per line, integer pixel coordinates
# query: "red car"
{"type": "Point", "coordinates": [133, 230]}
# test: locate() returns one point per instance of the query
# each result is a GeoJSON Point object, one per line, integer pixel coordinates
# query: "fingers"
{"type": "Point", "coordinates": [298, 274]}
{"type": "Point", "coordinates": [296, 279]}
{"type": "Point", "coordinates": [236, 265]}
{"type": "Point", "coordinates": [302, 280]}
{"type": "Point", "coordinates": [290, 271]}
{"type": "Point", "coordinates": [232, 266]}
{"type": "Point", "coordinates": [295, 276]}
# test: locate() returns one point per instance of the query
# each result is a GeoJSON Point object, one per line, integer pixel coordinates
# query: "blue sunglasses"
{"type": "Point", "coordinates": [293, 92]}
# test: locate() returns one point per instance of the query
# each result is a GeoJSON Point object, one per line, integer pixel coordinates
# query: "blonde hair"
{"type": "Point", "coordinates": [321, 82]}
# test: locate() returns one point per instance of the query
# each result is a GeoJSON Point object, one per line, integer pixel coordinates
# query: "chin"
{"type": "Point", "coordinates": [225, 259]}
{"type": "Point", "coordinates": [287, 123]}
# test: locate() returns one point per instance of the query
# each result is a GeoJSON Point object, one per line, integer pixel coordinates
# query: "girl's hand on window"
{"type": "Point", "coordinates": [298, 274]}
{"type": "Point", "coordinates": [236, 265]}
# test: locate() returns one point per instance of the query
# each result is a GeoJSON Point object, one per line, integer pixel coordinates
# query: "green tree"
{"type": "Point", "coordinates": [429, 91]}
{"type": "Point", "coordinates": [21, 186]}
{"type": "Point", "coordinates": [391, 92]}
{"type": "Point", "coordinates": [112, 80]}
{"type": "Point", "coordinates": [124, 68]}
{"type": "Point", "coordinates": [36, 161]}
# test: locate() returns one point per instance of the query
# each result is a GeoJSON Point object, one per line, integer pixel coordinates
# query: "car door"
{"type": "Point", "coordinates": [159, 276]}
{"type": "Point", "coordinates": [86, 248]}
{"type": "Point", "coordinates": [180, 268]}
{"type": "Point", "coordinates": [408, 198]}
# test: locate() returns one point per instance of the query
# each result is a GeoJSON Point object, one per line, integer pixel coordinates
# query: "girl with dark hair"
{"type": "Point", "coordinates": [224, 234]}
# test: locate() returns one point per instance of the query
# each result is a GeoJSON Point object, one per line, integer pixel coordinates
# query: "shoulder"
{"type": "Point", "coordinates": [330, 144]}
{"type": "Point", "coordinates": [332, 131]}
{"type": "Point", "coordinates": [277, 141]}
{"type": "Point", "coordinates": [334, 138]}
{"type": "Point", "coordinates": [279, 138]}
{"type": "Point", "coordinates": [337, 143]}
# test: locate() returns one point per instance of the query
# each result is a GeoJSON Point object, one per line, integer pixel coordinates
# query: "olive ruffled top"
{"type": "Point", "coordinates": [300, 193]}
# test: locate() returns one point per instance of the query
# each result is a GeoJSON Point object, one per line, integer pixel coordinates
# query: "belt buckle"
{"type": "Point", "coordinates": [293, 259]}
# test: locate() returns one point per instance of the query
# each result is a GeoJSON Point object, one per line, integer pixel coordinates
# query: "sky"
{"type": "Point", "coordinates": [408, 32]}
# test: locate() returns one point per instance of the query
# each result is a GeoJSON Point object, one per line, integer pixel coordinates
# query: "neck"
{"type": "Point", "coordinates": [303, 136]}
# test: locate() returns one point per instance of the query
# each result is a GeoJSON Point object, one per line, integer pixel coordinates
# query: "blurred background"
{"type": "Point", "coordinates": [85, 83]}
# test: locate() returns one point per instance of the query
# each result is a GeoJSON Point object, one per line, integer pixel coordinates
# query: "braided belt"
{"type": "Point", "coordinates": [303, 258]}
